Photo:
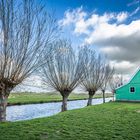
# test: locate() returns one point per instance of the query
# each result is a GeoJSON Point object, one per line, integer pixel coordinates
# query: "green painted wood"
{"type": "Point", "coordinates": [123, 93]}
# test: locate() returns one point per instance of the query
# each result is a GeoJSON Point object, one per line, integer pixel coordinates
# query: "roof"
{"type": "Point", "coordinates": [138, 69]}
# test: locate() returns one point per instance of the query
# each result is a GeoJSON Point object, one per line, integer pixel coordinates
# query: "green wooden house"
{"type": "Point", "coordinates": [129, 91]}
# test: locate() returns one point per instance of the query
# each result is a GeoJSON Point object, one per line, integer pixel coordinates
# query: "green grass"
{"type": "Point", "coordinates": [110, 121]}
{"type": "Point", "coordinates": [28, 98]}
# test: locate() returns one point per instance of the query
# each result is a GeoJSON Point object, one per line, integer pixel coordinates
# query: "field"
{"type": "Point", "coordinates": [109, 121]}
{"type": "Point", "coordinates": [28, 98]}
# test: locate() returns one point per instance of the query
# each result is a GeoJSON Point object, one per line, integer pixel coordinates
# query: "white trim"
{"type": "Point", "coordinates": [138, 69]}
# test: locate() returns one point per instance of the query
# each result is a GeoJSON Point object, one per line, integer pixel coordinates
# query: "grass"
{"type": "Point", "coordinates": [29, 98]}
{"type": "Point", "coordinates": [110, 121]}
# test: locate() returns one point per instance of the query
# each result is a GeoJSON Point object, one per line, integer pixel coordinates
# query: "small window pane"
{"type": "Point", "coordinates": [132, 89]}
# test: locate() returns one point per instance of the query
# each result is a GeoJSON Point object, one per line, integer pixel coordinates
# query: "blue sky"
{"type": "Point", "coordinates": [101, 6]}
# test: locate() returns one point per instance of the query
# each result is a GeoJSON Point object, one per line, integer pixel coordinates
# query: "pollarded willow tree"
{"type": "Point", "coordinates": [108, 74]}
{"type": "Point", "coordinates": [25, 30]}
{"type": "Point", "coordinates": [115, 82]}
{"type": "Point", "coordinates": [64, 71]}
{"type": "Point", "coordinates": [93, 72]}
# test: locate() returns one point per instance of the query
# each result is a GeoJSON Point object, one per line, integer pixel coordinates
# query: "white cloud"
{"type": "Point", "coordinates": [110, 34]}
{"type": "Point", "coordinates": [123, 65]}
{"type": "Point", "coordinates": [135, 11]}
{"type": "Point", "coordinates": [134, 2]}
{"type": "Point", "coordinates": [81, 27]}
{"type": "Point", "coordinates": [72, 16]}
{"type": "Point", "coordinates": [106, 31]}
{"type": "Point", "coordinates": [122, 17]}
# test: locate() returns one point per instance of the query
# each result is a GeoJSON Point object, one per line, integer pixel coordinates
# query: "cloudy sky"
{"type": "Point", "coordinates": [108, 26]}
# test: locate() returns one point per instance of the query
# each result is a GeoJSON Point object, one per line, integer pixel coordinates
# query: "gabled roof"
{"type": "Point", "coordinates": [138, 69]}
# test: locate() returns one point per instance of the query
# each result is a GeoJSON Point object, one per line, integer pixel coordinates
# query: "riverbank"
{"type": "Point", "coordinates": [110, 121]}
{"type": "Point", "coordinates": [35, 98]}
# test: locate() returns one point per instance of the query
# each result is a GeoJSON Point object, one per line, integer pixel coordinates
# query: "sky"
{"type": "Point", "coordinates": [111, 27]}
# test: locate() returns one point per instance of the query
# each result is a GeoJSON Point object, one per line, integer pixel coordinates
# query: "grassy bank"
{"type": "Point", "coordinates": [28, 98]}
{"type": "Point", "coordinates": [110, 121]}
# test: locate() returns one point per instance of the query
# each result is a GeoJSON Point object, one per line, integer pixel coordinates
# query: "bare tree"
{"type": "Point", "coordinates": [93, 73]}
{"type": "Point", "coordinates": [115, 82]}
{"type": "Point", "coordinates": [64, 71]}
{"type": "Point", "coordinates": [25, 29]}
{"type": "Point", "coordinates": [108, 74]}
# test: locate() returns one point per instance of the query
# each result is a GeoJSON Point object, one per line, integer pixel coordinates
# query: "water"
{"type": "Point", "coordinates": [27, 112]}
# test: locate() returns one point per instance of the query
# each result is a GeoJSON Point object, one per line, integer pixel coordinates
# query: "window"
{"type": "Point", "coordinates": [132, 89]}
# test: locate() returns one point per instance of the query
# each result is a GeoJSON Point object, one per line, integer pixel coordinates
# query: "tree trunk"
{"type": "Point", "coordinates": [3, 105]}
{"type": "Point", "coordinates": [113, 91]}
{"type": "Point", "coordinates": [4, 93]}
{"type": "Point", "coordinates": [103, 91]}
{"type": "Point", "coordinates": [113, 96]}
{"type": "Point", "coordinates": [64, 103]}
{"type": "Point", "coordinates": [91, 93]}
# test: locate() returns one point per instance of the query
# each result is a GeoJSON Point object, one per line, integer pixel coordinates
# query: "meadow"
{"type": "Point", "coordinates": [32, 98]}
{"type": "Point", "coordinates": [109, 121]}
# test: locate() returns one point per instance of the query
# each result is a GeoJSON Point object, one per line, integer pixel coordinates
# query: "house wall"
{"type": "Point", "coordinates": [123, 93]}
